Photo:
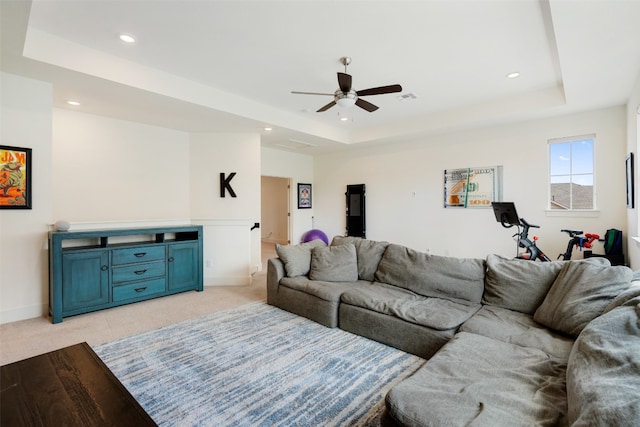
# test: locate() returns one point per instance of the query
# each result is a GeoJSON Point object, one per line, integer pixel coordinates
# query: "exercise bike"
{"type": "Point", "coordinates": [577, 240]}
{"type": "Point", "coordinates": [506, 215]}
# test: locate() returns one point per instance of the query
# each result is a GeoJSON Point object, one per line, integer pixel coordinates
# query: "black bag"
{"type": "Point", "coordinates": [613, 242]}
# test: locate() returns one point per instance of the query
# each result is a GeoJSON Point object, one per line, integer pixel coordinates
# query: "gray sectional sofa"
{"type": "Point", "coordinates": [507, 342]}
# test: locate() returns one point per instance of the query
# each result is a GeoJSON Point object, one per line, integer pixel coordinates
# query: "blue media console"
{"type": "Point", "coordinates": [98, 269]}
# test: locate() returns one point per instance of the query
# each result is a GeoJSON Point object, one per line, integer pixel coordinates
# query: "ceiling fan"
{"type": "Point", "coordinates": [345, 96]}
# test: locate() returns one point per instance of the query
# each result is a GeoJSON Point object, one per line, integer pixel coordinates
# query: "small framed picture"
{"type": "Point", "coordinates": [630, 184]}
{"type": "Point", "coordinates": [304, 196]}
{"type": "Point", "coordinates": [15, 177]}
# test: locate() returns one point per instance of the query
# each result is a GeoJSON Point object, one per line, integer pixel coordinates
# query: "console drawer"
{"type": "Point", "coordinates": [128, 273]}
{"type": "Point", "coordinates": [139, 290]}
{"type": "Point", "coordinates": [139, 254]}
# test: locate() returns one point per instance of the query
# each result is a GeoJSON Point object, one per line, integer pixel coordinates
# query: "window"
{"type": "Point", "coordinates": [571, 173]}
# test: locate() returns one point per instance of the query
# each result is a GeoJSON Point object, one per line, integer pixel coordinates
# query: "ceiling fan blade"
{"type": "Point", "coordinates": [311, 93]}
{"type": "Point", "coordinates": [344, 82]}
{"type": "Point", "coordinates": [380, 90]}
{"type": "Point", "coordinates": [366, 105]}
{"type": "Point", "coordinates": [326, 107]}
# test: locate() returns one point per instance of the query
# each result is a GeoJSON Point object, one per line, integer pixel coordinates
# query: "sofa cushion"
{"type": "Point", "coordinates": [328, 291]}
{"type": "Point", "coordinates": [436, 313]}
{"type": "Point", "coordinates": [517, 328]}
{"type": "Point", "coordinates": [603, 375]}
{"type": "Point", "coordinates": [478, 381]}
{"type": "Point", "coordinates": [297, 258]}
{"type": "Point", "coordinates": [518, 284]}
{"type": "Point", "coordinates": [334, 263]}
{"type": "Point", "coordinates": [369, 254]}
{"type": "Point", "coordinates": [432, 275]}
{"type": "Point", "coordinates": [579, 294]}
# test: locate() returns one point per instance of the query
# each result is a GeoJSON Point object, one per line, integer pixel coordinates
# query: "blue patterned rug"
{"type": "Point", "coordinates": [257, 365]}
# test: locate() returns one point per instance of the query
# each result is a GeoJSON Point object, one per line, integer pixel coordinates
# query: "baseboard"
{"type": "Point", "coordinates": [227, 281]}
{"type": "Point", "coordinates": [274, 241]}
{"type": "Point", "coordinates": [23, 313]}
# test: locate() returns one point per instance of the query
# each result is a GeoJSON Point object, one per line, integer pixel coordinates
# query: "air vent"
{"type": "Point", "coordinates": [407, 96]}
{"type": "Point", "coordinates": [294, 144]}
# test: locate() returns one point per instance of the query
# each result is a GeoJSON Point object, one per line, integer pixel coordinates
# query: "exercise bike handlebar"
{"type": "Point", "coordinates": [526, 224]}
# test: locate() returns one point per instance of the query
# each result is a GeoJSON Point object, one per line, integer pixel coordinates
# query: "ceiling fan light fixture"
{"type": "Point", "coordinates": [346, 99]}
{"type": "Point", "coordinates": [346, 102]}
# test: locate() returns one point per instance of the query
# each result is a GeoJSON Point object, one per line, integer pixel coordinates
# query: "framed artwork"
{"type": "Point", "coordinates": [630, 183]}
{"type": "Point", "coordinates": [304, 196]}
{"type": "Point", "coordinates": [15, 177]}
{"type": "Point", "coordinates": [472, 187]}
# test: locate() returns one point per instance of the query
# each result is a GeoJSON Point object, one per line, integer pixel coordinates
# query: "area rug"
{"type": "Point", "coordinates": [257, 365]}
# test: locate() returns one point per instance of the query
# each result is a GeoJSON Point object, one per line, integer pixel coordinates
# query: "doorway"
{"type": "Point", "coordinates": [275, 210]}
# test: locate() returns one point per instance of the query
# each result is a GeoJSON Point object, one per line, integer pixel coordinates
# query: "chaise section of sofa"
{"type": "Point", "coordinates": [479, 381]}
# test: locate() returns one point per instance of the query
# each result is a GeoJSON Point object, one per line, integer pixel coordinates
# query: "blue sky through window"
{"type": "Point", "coordinates": [572, 162]}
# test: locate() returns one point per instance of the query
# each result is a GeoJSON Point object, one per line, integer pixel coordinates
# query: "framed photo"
{"type": "Point", "coordinates": [630, 183]}
{"type": "Point", "coordinates": [15, 177]}
{"type": "Point", "coordinates": [472, 187]}
{"type": "Point", "coordinates": [304, 196]}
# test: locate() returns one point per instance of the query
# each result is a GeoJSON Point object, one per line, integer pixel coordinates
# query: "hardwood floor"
{"type": "Point", "coordinates": [32, 337]}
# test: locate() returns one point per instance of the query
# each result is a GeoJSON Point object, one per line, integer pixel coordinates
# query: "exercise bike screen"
{"type": "Point", "coordinates": [505, 213]}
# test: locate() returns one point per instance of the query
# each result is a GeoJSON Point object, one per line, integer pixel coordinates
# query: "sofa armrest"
{"type": "Point", "coordinates": [275, 272]}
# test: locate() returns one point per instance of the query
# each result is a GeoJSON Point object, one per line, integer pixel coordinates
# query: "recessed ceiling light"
{"type": "Point", "coordinates": [127, 38]}
{"type": "Point", "coordinates": [74, 103]}
{"type": "Point", "coordinates": [268, 129]}
{"type": "Point", "coordinates": [344, 119]}
{"type": "Point", "coordinates": [513, 75]}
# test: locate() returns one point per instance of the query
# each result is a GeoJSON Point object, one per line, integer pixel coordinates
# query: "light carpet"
{"type": "Point", "coordinates": [257, 365]}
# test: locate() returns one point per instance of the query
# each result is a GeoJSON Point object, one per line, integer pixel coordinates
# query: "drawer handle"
{"type": "Point", "coordinates": [170, 259]}
{"type": "Point", "coordinates": [104, 268]}
{"type": "Point", "coordinates": [139, 272]}
{"type": "Point", "coordinates": [139, 254]}
{"type": "Point", "coordinates": [140, 289]}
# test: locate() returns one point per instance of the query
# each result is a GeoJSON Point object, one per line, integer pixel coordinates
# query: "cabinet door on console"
{"type": "Point", "coordinates": [85, 279]}
{"type": "Point", "coordinates": [183, 266]}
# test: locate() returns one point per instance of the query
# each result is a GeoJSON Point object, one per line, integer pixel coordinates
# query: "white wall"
{"type": "Point", "coordinates": [298, 167]}
{"type": "Point", "coordinates": [633, 146]}
{"type": "Point", "coordinates": [404, 183]}
{"type": "Point", "coordinates": [26, 122]}
{"type": "Point", "coordinates": [227, 220]}
{"type": "Point", "coordinates": [112, 170]}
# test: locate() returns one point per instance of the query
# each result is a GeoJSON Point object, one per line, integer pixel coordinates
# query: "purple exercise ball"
{"type": "Point", "coordinates": [314, 235]}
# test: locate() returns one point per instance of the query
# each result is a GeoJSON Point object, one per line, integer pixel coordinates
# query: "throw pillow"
{"type": "Point", "coordinates": [368, 252]}
{"type": "Point", "coordinates": [334, 264]}
{"type": "Point", "coordinates": [579, 294]}
{"type": "Point", "coordinates": [518, 284]}
{"type": "Point", "coordinates": [297, 258]}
